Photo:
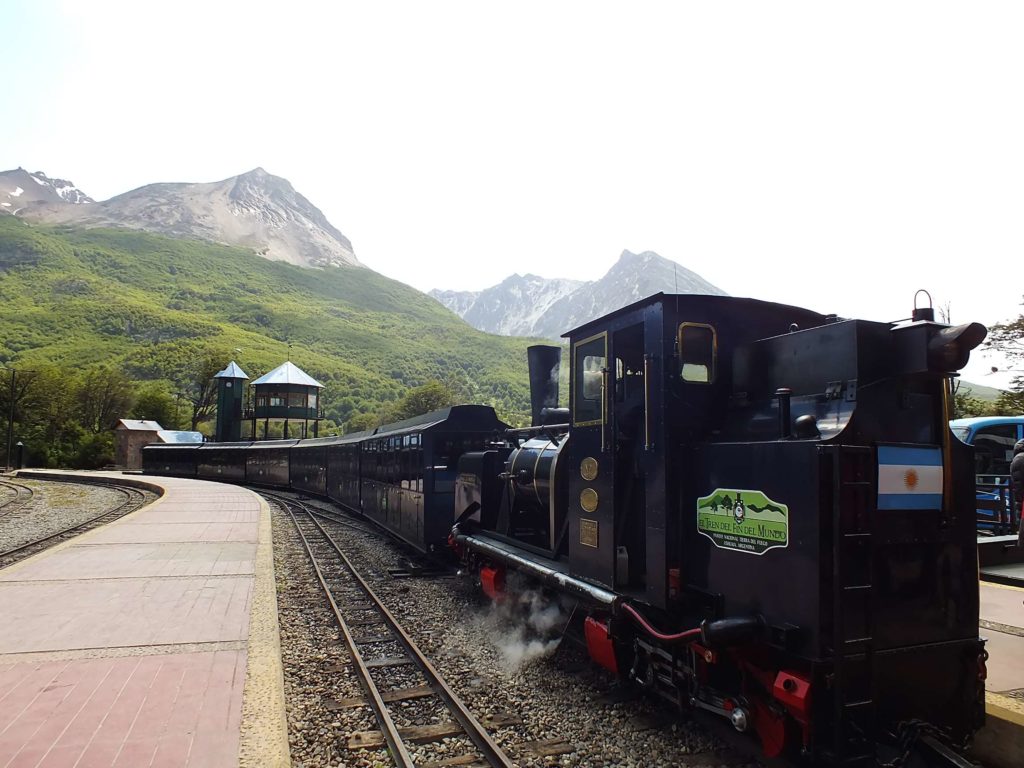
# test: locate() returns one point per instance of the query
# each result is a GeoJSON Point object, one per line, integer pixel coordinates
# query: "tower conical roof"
{"type": "Point", "coordinates": [231, 372]}
{"type": "Point", "coordinates": [288, 373]}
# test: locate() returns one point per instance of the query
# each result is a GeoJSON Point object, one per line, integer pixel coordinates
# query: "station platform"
{"type": "Point", "coordinates": [151, 641]}
{"type": "Point", "coordinates": [1000, 560]}
{"type": "Point", "coordinates": [1001, 741]}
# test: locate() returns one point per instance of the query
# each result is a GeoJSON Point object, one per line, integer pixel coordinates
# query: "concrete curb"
{"type": "Point", "coordinates": [87, 476]}
{"type": "Point", "coordinates": [264, 736]}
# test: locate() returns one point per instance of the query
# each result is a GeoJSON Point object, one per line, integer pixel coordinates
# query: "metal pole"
{"type": "Point", "coordinates": [10, 423]}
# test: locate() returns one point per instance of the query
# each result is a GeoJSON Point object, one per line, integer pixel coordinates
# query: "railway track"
{"type": "Point", "coordinates": [22, 495]}
{"type": "Point", "coordinates": [383, 654]}
{"type": "Point", "coordinates": [132, 499]}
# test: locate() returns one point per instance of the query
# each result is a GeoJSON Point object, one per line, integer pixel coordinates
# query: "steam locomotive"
{"type": "Point", "coordinates": [760, 509]}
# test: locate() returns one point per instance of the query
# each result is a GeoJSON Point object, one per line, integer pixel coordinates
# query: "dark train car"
{"type": "Point", "coordinates": [266, 462]}
{"type": "Point", "coordinates": [344, 469]}
{"type": "Point", "coordinates": [222, 461]}
{"type": "Point", "coordinates": [176, 460]}
{"type": "Point", "coordinates": [408, 470]}
{"type": "Point", "coordinates": [307, 465]}
{"type": "Point", "coordinates": [768, 517]}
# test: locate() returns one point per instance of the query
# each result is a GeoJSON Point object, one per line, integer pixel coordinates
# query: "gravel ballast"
{"type": "Point", "coordinates": [54, 506]}
{"type": "Point", "coordinates": [541, 696]}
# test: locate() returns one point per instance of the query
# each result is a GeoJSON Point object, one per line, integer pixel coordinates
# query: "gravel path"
{"type": "Point", "coordinates": [54, 505]}
{"type": "Point", "coordinates": [549, 696]}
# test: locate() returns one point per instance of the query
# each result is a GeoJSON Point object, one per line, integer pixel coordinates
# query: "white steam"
{"type": "Point", "coordinates": [524, 627]}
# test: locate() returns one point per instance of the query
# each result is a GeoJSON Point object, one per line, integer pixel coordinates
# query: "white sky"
{"type": "Point", "coordinates": [835, 156]}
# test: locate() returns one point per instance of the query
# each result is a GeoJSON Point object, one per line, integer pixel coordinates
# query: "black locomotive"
{"type": "Point", "coordinates": [761, 510]}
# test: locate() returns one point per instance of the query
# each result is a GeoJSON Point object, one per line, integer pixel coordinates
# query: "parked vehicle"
{"type": "Point", "coordinates": [993, 438]}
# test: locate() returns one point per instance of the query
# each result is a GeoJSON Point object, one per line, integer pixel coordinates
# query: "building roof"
{"type": "Point", "coordinates": [179, 436]}
{"type": "Point", "coordinates": [288, 373]}
{"type": "Point", "coordinates": [139, 425]}
{"type": "Point", "coordinates": [231, 372]}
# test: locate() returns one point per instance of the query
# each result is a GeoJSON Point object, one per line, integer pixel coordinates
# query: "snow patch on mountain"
{"type": "Point", "coordinates": [32, 189]}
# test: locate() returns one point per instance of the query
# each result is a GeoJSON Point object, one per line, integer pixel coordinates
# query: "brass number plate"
{"type": "Point", "coordinates": [588, 532]}
{"type": "Point", "coordinates": [588, 468]}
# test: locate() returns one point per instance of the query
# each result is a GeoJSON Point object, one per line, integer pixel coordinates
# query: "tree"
{"type": "Point", "coordinates": [16, 385]}
{"type": "Point", "coordinates": [154, 403]}
{"type": "Point", "coordinates": [47, 419]}
{"type": "Point", "coordinates": [422, 399]}
{"type": "Point", "coordinates": [104, 394]}
{"type": "Point", "coordinates": [425, 398]}
{"type": "Point", "coordinates": [965, 404]}
{"type": "Point", "coordinates": [1010, 402]}
{"type": "Point", "coordinates": [1008, 338]}
{"type": "Point", "coordinates": [199, 388]}
{"type": "Point", "coordinates": [360, 422]}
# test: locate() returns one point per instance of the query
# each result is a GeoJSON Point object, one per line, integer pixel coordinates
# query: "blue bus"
{"type": "Point", "coordinates": [993, 438]}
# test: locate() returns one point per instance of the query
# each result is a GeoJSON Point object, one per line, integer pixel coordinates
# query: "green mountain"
{"type": "Point", "coordinates": [154, 305]}
{"type": "Point", "coordinates": [983, 393]}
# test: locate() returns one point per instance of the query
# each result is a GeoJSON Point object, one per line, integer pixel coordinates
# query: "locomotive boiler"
{"type": "Point", "coordinates": [763, 513]}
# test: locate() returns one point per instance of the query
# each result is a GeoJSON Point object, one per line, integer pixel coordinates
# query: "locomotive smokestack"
{"type": "Point", "coordinates": [544, 361]}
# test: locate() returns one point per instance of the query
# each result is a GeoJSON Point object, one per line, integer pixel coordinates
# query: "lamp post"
{"type": "Point", "coordinates": [10, 423]}
{"type": "Point", "coordinates": [21, 454]}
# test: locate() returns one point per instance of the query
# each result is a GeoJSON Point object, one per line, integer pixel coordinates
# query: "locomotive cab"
{"type": "Point", "coordinates": [648, 382]}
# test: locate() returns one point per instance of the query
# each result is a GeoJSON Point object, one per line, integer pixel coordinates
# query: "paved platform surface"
{"type": "Point", "coordinates": [1001, 742]}
{"type": "Point", "coordinates": [147, 642]}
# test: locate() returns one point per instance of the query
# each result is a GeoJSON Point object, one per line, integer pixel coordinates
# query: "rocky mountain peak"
{"type": "Point", "coordinates": [256, 210]}
{"type": "Point", "coordinates": [528, 305]}
{"type": "Point", "coordinates": [20, 189]}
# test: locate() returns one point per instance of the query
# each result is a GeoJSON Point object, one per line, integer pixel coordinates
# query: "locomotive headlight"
{"type": "Point", "coordinates": [950, 348]}
{"type": "Point", "coordinates": [927, 347]}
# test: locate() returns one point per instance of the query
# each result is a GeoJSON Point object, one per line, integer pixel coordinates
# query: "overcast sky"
{"type": "Point", "coordinates": [835, 156]}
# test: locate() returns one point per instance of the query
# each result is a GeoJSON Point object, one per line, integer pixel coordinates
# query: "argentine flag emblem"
{"type": "Point", "coordinates": [909, 478]}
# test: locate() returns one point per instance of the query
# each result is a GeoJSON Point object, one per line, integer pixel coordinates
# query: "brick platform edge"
{"type": "Point", "coordinates": [264, 737]}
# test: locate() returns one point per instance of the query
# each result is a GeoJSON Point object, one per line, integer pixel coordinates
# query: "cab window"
{"type": "Point", "coordinates": [697, 353]}
{"type": "Point", "coordinates": [589, 361]}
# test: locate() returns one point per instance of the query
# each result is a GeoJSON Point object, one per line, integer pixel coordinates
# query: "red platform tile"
{"type": "Point", "coordinates": [179, 572]}
{"type": "Point", "coordinates": [176, 532]}
{"type": "Point", "coordinates": [53, 616]}
{"type": "Point", "coordinates": [139, 561]}
{"type": "Point", "coordinates": [179, 709]}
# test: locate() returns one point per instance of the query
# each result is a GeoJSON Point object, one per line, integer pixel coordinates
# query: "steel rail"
{"type": "Point", "coordinates": [131, 496]}
{"type": "Point", "coordinates": [18, 499]}
{"type": "Point", "coordinates": [387, 724]}
{"type": "Point", "coordinates": [477, 734]}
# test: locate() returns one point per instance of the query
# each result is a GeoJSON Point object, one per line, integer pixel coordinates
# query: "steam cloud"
{"type": "Point", "coordinates": [526, 626]}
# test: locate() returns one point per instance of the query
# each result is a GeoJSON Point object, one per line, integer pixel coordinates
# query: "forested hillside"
{"type": "Point", "coordinates": [155, 306]}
